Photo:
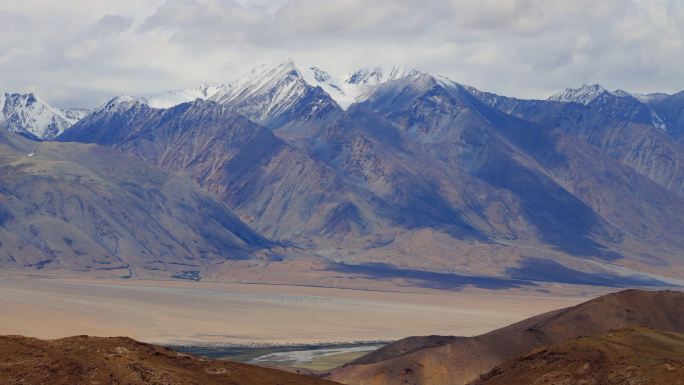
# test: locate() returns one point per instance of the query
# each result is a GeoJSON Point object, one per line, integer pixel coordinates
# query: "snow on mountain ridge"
{"type": "Point", "coordinates": [341, 93]}
{"type": "Point", "coordinates": [73, 115]}
{"type": "Point", "coordinates": [120, 99]}
{"type": "Point", "coordinates": [344, 90]}
{"type": "Point", "coordinates": [612, 102]}
{"type": "Point", "coordinates": [586, 94]}
{"type": "Point", "coordinates": [29, 115]}
{"type": "Point", "coordinates": [172, 98]}
{"type": "Point", "coordinates": [320, 75]}
{"type": "Point", "coordinates": [583, 95]}
{"type": "Point", "coordinates": [383, 74]}
{"type": "Point", "coordinates": [270, 89]}
{"type": "Point", "coordinates": [649, 98]}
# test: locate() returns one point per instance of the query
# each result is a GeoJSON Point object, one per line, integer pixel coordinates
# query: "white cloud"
{"type": "Point", "coordinates": [112, 25]}
{"type": "Point", "coordinates": [79, 52]}
{"type": "Point", "coordinates": [13, 23]}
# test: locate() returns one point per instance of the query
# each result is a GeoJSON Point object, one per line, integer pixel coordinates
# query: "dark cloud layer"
{"type": "Point", "coordinates": [80, 52]}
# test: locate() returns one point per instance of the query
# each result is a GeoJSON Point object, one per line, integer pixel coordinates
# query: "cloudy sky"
{"type": "Point", "coordinates": [80, 52]}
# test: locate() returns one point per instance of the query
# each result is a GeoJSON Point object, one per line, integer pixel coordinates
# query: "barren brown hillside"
{"type": "Point", "coordinates": [630, 356]}
{"type": "Point", "coordinates": [421, 361]}
{"type": "Point", "coordinates": [121, 360]}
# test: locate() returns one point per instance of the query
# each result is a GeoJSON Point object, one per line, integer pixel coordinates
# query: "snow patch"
{"type": "Point", "coordinates": [173, 98]}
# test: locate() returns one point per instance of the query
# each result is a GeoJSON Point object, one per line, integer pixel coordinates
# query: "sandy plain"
{"type": "Point", "coordinates": [179, 312]}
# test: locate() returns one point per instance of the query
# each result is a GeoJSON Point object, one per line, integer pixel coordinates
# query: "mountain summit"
{"type": "Point", "coordinates": [29, 115]}
{"type": "Point", "coordinates": [175, 97]}
{"type": "Point", "coordinates": [618, 104]}
{"type": "Point", "coordinates": [286, 83]}
{"type": "Point", "coordinates": [584, 94]}
{"type": "Point", "coordinates": [275, 95]}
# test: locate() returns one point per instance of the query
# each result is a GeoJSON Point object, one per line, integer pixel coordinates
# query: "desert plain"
{"type": "Point", "coordinates": [183, 313]}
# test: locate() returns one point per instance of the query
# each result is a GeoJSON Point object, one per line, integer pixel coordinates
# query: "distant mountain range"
{"type": "Point", "coordinates": [390, 171]}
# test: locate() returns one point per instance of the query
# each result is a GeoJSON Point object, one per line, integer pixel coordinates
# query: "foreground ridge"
{"type": "Point", "coordinates": [458, 360]}
{"type": "Point", "coordinates": [122, 360]}
{"type": "Point", "coordinates": [628, 356]}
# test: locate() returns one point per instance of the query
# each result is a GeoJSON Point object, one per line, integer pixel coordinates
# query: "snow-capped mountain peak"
{"type": "Point", "coordinates": [282, 79]}
{"type": "Point", "coordinates": [353, 88]}
{"type": "Point", "coordinates": [343, 90]}
{"type": "Point", "coordinates": [588, 93]}
{"type": "Point", "coordinates": [119, 99]}
{"type": "Point", "coordinates": [121, 102]}
{"type": "Point", "coordinates": [343, 93]}
{"type": "Point", "coordinates": [268, 92]}
{"type": "Point", "coordinates": [264, 74]}
{"type": "Point", "coordinates": [318, 77]}
{"type": "Point", "coordinates": [29, 115]}
{"type": "Point", "coordinates": [583, 95]}
{"type": "Point", "coordinates": [622, 94]}
{"type": "Point", "coordinates": [618, 103]}
{"type": "Point", "coordinates": [358, 85]}
{"type": "Point", "coordinates": [175, 97]}
{"type": "Point", "coordinates": [284, 82]}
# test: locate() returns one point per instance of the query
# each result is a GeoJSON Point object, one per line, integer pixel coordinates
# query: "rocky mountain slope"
{"type": "Point", "coordinates": [420, 172]}
{"type": "Point", "coordinates": [121, 360]}
{"type": "Point", "coordinates": [646, 148]}
{"type": "Point", "coordinates": [87, 208]}
{"type": "Point", "coordinates": [278, 189]}
{"type": "Point", "coordinates": [671, 109]}
{"type": "Point", "coordinates": [463, 133]}
{"type": "Point", "coordinates": [628, 356]}
{"type": "Point", "coordinates": [416, 173]}
{"type": "Point", "coordinates": [460, 360]}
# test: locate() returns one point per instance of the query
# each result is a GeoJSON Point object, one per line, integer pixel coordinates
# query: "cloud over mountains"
{"type": "Point", "coordinates": [77, 52]}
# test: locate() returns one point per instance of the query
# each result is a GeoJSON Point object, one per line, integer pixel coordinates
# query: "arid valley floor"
{"type": "Point", "coordinates": [173, 312]}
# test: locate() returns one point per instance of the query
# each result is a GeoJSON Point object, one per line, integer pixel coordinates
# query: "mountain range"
{"type": "Point", "coordinates": [393, 173]}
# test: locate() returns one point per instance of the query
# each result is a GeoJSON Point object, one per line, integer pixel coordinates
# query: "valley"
{"type": "Point", "coordinates": [614, 338]}
{"type": "Point", "coordinates": [216, 313]}
{"type": "Point", "coordinates": [391, 227]}
{"type": "Point", "coordinates": [301, 192]}
{"type": "Point", "coordinates": [319, 357]}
